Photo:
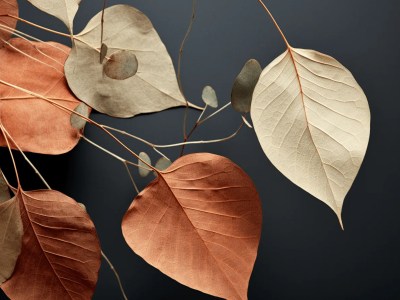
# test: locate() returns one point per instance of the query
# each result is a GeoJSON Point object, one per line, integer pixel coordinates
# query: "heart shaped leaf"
{"type": "Point", "coordinates": [35, 124]}
{"type": "Point", "coordinates": [65, 10]}
{"type": "Point", "coordinates": [199, 222]}
{"type": "Point", "coordinates": [60, 256]}
{"type": "Point", "coordinates": [10, 237]}
{"type": "Point", "coordinates": [313, 122]}
{"type": "Point", "coordinates": [9, 7]}
{"type": "Point", "coordinates": [153, 88]}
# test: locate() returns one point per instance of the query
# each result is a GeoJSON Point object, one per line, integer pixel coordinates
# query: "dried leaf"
{"type": "Point", "coordinates": [162, 164]}
{"type": "Point", "coordinates": [60, 256]}
{"type": "Point", "coordinates": [199, 222]}
{"type": "Point", "coordinates": [209, 96]}
{"type": "Point", "coordinates": [9, 7]}
{"type": "Point", "coordinates": [4, 190]}
{"type": "Point", "coordinates": [65, 10]}
{"type": "Point", "coordinates": [143, 168]}
{"type": "Point", "coordinates": [10, 237]}
{"type": "Point", "coordinates": [243, 87]}
{"type": "Point", "coordinates": [77, 121]}
{"type": "Point", "coordinates": [121, 65]}
{"type": "Point", "coordinates": [153, 88]}
{"type": "Point", "coordinates": [313, 122]}
{"type": "Point", "coordinates": [35, 124]}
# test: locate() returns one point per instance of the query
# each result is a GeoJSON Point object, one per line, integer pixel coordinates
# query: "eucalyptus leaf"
{"type": "Point", "coordinates": [152, 89]}
{"type": "Point", "coordinates": [243, 87]}
{"type": "Point", "coordinates": [77, 121]}
{"type": "Point", "coordinates": [121, 65]}
{"type": "Point", "coordinates": [209, 96]}
{"type": "Point", "coordinates": [162, 164]}
{"type": "Point", "coordinates": [143, 169]}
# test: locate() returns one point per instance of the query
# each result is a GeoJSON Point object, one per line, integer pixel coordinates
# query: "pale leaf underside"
{"type": "Point", "coordinates": [313, 122]}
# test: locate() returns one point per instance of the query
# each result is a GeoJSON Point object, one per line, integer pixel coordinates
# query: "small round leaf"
{"type": "Point", "coordinates": [76, 120]}
{"type": "Point", "coordinates": [163, 163]}
{"type": "Point", "coordinates": [143, 169]}
{"type": "Point", "coordinates": [210, 96]}
{"type": "Point", "coordinates": [121, 65]}
{"type": "Point", "coordinates": [243, 87]}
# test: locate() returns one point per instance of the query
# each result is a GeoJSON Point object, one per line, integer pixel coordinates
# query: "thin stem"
{"type": "Point", "coordinates": [131, 177]}
{"type": "Point", "coordinates": [116, 274]}
{"type": "Point", "coordinates": [64, 108]}
{"type": "Point", "coordinates": [102, 22]}
{"type": "Point", "coordinates": [12, 157]}
{"type": "Point", "coordinates": [215, 113]}
{"type": "Point", "coordinates": [204, 142]}
{"type": "Point", "coordinates": [202, 114]}
{"type": "Point", "coordinates": [103, 149]}
{"type": "Point", "coordinates": [275, 23]}
{"type": "Point", "coordinates": [188, 31]}
{"type": "Point", "coordinates": [37, 26]}
{"type": "Point", "coordinates": [26, 158]}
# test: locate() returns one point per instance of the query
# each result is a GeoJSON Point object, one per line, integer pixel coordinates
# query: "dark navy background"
{"type": "Point", "coordinates": [303, 253]}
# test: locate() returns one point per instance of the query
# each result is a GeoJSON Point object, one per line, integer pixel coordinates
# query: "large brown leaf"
{"type": "Point", "coordinates": [10, 237]}
{"type": "Point", "coordinates": [7, 7]}
{"type": "Point", "coordinates": [60, 255]}
{"type": "Point", "coordinates": [35, 124]}
{"type": "Point", "coordinates": [199, 222]}
{"type": "Point", "coordinates": [313, 122]}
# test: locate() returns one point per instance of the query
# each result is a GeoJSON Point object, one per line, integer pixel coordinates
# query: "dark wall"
{"type": "Point", "coordinates": [303, 253]}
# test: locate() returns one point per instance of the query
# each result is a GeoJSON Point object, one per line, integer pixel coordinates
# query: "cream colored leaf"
{"type": "Point", "coordinates": [162, 164]}
{"type": "Point", "coordinates": [76, 120]}
{"type": "Point", "coordinates": [313, 122]}
{"type": "Point", "coordinates": [10, 237]}
{"type": "Point", "coordinates": [153, 88]}
{"type": "Point", "coordinates": [143, 168]}
{"type": "Point", "coordinates": [65, 10]}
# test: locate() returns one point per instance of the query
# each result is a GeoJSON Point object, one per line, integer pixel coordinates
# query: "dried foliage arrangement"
{"type": "Point", "coordinates": [199, 221]}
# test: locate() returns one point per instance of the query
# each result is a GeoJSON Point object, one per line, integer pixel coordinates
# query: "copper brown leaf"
{"type": "Point", "coordinates": [7, 24]}
{"type": "Point", "coordinates": [199, 222]}
{"type": "Point", "coordinates": [35, 124]}
{"type": "Point", "coordinates": [60, 255]}
{"type": "Point", "coordinates": [10, 237]}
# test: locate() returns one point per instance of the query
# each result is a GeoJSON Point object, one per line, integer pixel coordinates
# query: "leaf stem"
{"type": "Point", "coordinates": [116, 275]}
{"type": "Point", "coordinates": [179, 77]}
{"type": "Point", "coordinates": [26, 158]}
{"type": "Point", "coordinates": [37, 26]}
{"type": "Point", "coordinates": [275, 23]}
{"type": "Point", "coordinates": [215, 113]}
{"type": "Point", "coordinates": [12, 156]}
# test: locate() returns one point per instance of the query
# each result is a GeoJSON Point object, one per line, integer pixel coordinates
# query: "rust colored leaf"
{"type": "Point", "coordinates": [7, 7]}
{"type": "Point", "coordinates": [199, 222]}
{"type": "Point", "coordinates": [10, 237]}
{"type": "Point", "coordinates": [35, 124]}
{"type": "Point", "coordinates": [60, 255]}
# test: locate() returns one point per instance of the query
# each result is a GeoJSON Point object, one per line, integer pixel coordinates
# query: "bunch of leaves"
{"type": "Point", "coordinates": [199, 220]}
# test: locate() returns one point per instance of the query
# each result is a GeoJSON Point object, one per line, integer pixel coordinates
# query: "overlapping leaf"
{"type": "Point", "coordinates": [60, 255]}
{"type": "Point", "coordinates": [35, 124]}
{"type": "Point", "coordinates": [65, 10]}
{"type": "Point", "coordinates": [199, 222]}
{"type": "Point", "coordinates": [153, 88]}
{"type": "Point", "coordinates": [7, 7]}
{"type": "Point", "coordinates": [10, 237]}
{"type": "Point", "coordinates": [313, 122]}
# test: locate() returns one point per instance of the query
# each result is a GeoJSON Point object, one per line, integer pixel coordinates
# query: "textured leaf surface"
{"type": "Point", "coordinates": [153, 88]}
{"type": "Point", "coordinates": [10, 237]}
{"type": "Point", "coordinates": [60, 255]}
{"type": "Point", "coordinates": [4, 190]}
{"type": "Point", "coordinates": [7, 7]}
{"type": "Point", "coordinates": [65, 10]}
{"type": "Point", "coordinates": [199, 222]}
{"type": "Point", "coordinates": [35, 124]}
{"type": "Point", "coordinates": [313, 122]}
